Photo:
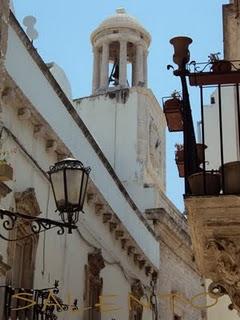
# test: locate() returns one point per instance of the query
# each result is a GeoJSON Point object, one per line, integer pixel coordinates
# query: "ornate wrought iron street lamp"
{"type": "Point", "coordinates": [69, 180]}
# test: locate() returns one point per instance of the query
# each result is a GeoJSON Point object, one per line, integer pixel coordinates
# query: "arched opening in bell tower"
{"type": "Point", "coordinates": [114, 65]}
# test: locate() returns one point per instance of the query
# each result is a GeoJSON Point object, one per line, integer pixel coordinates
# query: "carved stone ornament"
{"type": "Point", "coordinates": [136, 309]}
{"type": "Point", "coordinates": [26, 202]}
{"type": "Point", "coordinates": [93, 284]}
{"type": "Point", "coordinates": [137, 289]}
{"type": "Point", "coordinates": [226, 255]}
{"type": "Point", "coordinates": [96, 262]}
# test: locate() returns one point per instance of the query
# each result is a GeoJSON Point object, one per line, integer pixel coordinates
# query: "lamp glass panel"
{"type": "Point", "coordinates": [84, 186]}
{"type": "Point", "coordinates": [58, 187]}
{"type": "Point", "coordinates": [74, 180]}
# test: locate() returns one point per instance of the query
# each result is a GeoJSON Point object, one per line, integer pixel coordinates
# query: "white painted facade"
{"type": "Point", "coordinates": [129, 127]}
{"type": "Point", "coordinates": [64, 257]}
{"type": "Point", "coordinates": [229, 128]}
{"type": "Point", "coordinates": [125, 118]}
{"type": "Point", "coordinates": [43, 97]}
{"type": "Point", "coordinates": [120, 134]}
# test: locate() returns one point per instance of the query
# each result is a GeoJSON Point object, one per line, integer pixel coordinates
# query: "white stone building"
{"type": "Point", "coordinates": [119, 132]}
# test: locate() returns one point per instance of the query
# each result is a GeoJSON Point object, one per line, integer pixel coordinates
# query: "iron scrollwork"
{"type": "Point", "coordinates": [36, 224]}
{"type": "Point", "coordinates": [39, 303]}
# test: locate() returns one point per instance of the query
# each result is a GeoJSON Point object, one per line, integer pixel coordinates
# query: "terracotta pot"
{"type": "Point", "coordinates": [213, 185]}
{"type": "Point", "coordinates": [221, 66]}
{"type": "Point", "coordinates": [6, 172]}
{"type": "Point", "coordinates": [173, 114]}
{"type": "Point", "coordinates": [179, 158]}
{"type": "Point", "coordinates": [179, 154]}
{"type": "Point", "coordinates": [232, 177]}
{"type": "Point", "coordinates": [180, 166]}
{"type": "Point", "coordinates": [200, 152]}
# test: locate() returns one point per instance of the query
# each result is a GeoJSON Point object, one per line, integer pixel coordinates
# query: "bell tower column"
{"type": "Point", "coordinates": [96, 69]}
{"type": "Point", "coordinates": [123, 64]}
{"type": "Point", "coordinates": [139, 64]}
{"type": "Point", "coordinates": [145, 68]}
{"type": "Point", "coordinates": [104, 66]}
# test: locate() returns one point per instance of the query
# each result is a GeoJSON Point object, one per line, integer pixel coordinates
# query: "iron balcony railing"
{"type": "Point", "coordinates": [212, 167]}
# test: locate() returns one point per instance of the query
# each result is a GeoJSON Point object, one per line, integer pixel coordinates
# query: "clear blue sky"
{"type": "Point", "coordinates": [65, 26]}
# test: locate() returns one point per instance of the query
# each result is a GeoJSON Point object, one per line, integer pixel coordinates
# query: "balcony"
{"type": "Point", "coordinates": [211, 172]}
{"type": "Point", "coordinates": [212, 197]}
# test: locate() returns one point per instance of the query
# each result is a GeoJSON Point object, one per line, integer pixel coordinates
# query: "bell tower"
{"type": "Point", "coordinates": [120, 47]}
{"type": "Point", "coordinates": [122, 113]}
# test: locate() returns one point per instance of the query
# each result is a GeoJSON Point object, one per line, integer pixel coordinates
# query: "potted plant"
{"type": "Point", "coordinates": [179, 158]}
{"type": "Point", "coordinates": [173, 112]}
{"type": "Point", "coordinates": [6, 171]}
{"type": "Point", "coordinates": [200, 152]}
{"type": "Point", "coordinates": [231, 173]}
{"type": "Point", "coordinates": [218, 65]}
{"type": "Point", "coordinates": [205, 183]}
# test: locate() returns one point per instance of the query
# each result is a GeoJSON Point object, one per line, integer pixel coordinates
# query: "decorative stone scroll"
{"type": "Point", "coordinates": [226, 255]}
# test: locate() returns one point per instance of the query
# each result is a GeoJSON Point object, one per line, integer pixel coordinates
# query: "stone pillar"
{"type": "Point", "coordinates": [96, 69]}
{"type": "Point", "coordinates": [133, 73]}
{"type": "Point", "coordinates": [104, 66]}
{"type": "Point", "coordinates": [139, 64]}
{"type": "Point", "coordinates": [145, 68]}
{"type": "Point", "coordinates": [123, 64]}
{"type": "Point", "coordinates": [231, 32]}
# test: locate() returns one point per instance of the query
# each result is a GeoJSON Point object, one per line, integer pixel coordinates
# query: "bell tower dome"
{"type": "Point", "coordinates": [120, 46]}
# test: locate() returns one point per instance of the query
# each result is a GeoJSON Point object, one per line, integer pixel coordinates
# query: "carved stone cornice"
{"type": "Point", "coordinates": [172, 230]}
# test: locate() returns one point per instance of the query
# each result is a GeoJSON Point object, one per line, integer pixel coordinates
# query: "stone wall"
{"type": "Point", "coordinates": [175, 276]}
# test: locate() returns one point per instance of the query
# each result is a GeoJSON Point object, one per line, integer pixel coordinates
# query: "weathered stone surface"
{"type": "Point", "coordinates": [214, 224]}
